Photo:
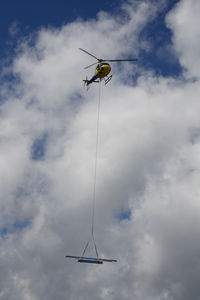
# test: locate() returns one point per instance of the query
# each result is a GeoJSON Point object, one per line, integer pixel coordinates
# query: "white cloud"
{"type": "Point", "coordinates": [148, 162]}
{"type": "Point", "coordinates": [184, 22]}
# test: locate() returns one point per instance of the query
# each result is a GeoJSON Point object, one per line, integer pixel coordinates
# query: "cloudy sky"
{"type": "Point", "coordinates": [147, 213]}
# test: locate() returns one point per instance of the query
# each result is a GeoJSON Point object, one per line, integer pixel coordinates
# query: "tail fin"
{"type": "Point", "coordinates": [86, 82]}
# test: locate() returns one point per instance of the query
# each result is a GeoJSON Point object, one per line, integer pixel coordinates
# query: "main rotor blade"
{"type": "Point", "coordinates": [113, 60]}
{"type": "Point", "coordinates": [89, 54]}
{"type": "Point", "coordinates": [91, 65]}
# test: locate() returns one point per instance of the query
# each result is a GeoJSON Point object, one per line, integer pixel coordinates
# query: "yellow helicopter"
{"type": "Point", "coordinates": [102, 69]}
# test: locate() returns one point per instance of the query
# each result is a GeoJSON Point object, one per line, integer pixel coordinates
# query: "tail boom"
{"type": "Point", "coordinates": [88, 82]}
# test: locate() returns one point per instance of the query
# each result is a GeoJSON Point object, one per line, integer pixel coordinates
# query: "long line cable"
{"type": "Point", "coordinates": [96, 158]}
{"type": "Point", "coordinates": [95, 177]}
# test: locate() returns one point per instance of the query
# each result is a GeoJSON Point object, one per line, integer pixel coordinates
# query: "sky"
{"type": "Point", "coordinates": [147, 209]}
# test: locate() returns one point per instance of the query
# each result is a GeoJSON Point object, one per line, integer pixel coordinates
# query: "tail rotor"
{"type": "Point", "coordinates": [86, 83]}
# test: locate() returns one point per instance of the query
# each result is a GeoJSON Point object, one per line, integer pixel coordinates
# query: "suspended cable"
{"type": "Point", "coordinates": [82, 258]}
{"type": "Point", "coordinates": [95, 178]}
{"type": "Point", "coordinates": [96, 157]}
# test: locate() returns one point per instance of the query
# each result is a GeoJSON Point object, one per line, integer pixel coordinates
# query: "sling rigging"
{"type": "Point", "coordinates": [95, 179]}
{"type": "Point", "coordinates": [97, 259]}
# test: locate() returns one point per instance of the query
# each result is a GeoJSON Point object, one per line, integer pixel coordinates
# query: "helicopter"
{"type": "Point", "coordinates": [102, 69]}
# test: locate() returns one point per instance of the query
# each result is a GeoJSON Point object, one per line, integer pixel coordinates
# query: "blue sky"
{"type": "Point", "coordinates": [29, 16]}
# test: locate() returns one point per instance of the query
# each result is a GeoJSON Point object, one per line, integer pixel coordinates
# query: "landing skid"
{"type": "Point", "coordinates": [107, 79]}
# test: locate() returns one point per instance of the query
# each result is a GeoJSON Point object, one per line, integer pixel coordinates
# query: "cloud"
{"type": "Point", "coordinates": [148, 165]}
{"type": "Point", "coordinates": [184, 23]}
{"type": "Point", "coordinates": [14, 29]}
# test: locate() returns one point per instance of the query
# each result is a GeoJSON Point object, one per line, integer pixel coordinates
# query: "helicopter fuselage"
{"type": "Point", "coordinates": [101, 71]}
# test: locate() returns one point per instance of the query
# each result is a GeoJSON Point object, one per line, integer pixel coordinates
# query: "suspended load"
{"type": "Point", "coordinates": [91, 260]}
